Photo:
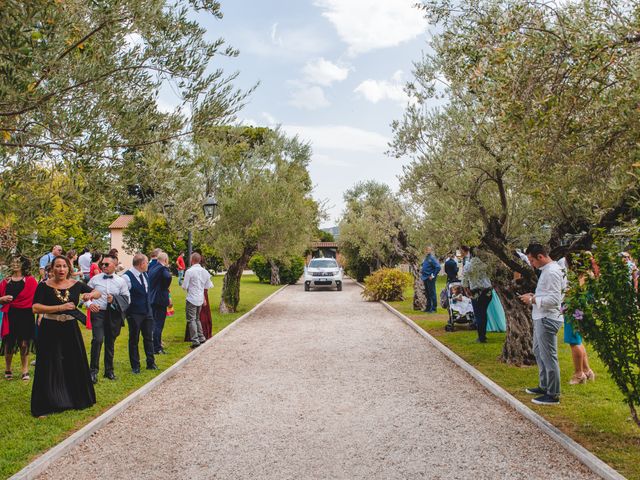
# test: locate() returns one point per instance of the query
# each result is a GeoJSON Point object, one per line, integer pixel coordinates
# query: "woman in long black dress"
{"type": "Point", "coordinates": [62, 380]}
{"type": "Point", "coordinates": [18, 329]}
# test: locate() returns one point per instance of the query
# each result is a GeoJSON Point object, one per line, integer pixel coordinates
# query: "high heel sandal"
{"type": "Point", "coordinates": [578, 379]}
{"type": "Point", "coordinates": [8, 375]}
{"type": "Point", "coordinates": [591, 375]}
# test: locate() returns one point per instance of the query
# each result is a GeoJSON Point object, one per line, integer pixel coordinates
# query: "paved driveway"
{"type": "Point", "coordinates": [319, 385]}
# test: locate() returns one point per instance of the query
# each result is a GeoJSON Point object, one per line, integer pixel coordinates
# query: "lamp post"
{"type": "Point", "coordinates": [209, 207]}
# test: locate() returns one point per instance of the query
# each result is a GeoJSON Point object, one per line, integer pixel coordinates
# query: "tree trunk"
{"type": "Point", "coordinates": [419, 297]}
{"type": "Point", "coordinates": [275, 273]}
{"type": "Point", "coordinates": [634, 413]}
{"type": "Point", "coordinates": [231, 284]}
{"type": "Point", "coordinates": [518, 343]}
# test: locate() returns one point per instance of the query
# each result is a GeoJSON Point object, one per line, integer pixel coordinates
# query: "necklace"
{"type": "Point", "coordinates": [63, 298]}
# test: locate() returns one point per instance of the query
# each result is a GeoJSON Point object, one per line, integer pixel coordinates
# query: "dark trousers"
{"type": "Point", "coordinates": [430, 293]}
{"type": "Point", "coordinates": [159, 316]}
{"type": "Point", "coordinates": [102, 333]}
{"type": "Point", "coordinates": [140, 323]}
{"type": "Point", "coordinates": [480, 306]}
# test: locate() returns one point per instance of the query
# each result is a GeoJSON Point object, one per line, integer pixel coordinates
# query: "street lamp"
{"type": "Point", "coordinates": [210, 206]}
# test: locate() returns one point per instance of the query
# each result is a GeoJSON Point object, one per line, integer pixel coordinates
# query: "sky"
{"type": "Point", "coordinates": [331, 72]}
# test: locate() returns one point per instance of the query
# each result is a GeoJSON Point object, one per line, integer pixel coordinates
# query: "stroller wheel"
{"type": "Point", "coordinates": [448, 328]}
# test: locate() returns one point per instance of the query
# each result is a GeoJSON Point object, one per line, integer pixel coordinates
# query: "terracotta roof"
{"type": "Point", "coordinates": [324, 245]}
{"type": "Point", "coordinates": [121, 222]}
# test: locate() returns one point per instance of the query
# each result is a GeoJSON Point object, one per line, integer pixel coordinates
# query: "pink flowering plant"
{"type": "Point", "coordinates": [605, 309]}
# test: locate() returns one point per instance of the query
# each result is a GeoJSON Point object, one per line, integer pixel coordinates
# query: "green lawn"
{"type": "Point", "coordinates": [23, 437]}
{"type": "Point", "coordinates": [592, 414]}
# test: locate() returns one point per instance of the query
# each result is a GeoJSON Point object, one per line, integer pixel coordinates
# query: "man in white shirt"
{"type": "Point", "coordinates": [84, 262]}
{"type": "Point", "coordinates": [105, 320]}
{"type": "Point", "coordinates": [547, 320]}
{"type": "Point", "coordinates": [196, 279]}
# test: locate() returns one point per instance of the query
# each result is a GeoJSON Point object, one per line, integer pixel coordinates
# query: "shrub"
{"type": "Point", "coordinates": [605, 309]}
{"type": "Point", "coordinates": [386, 284]}
{"type": "Point", "coordinates": [291, 271]}
{"type": "Point", "coordinates": [261, 268]}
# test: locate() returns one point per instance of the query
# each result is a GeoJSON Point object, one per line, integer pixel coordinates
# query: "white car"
{"type": "Point", "coordinates": [322, 272]}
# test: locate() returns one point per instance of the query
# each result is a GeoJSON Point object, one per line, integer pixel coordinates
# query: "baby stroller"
{"type": "Point", "coordinates": [459, 307]}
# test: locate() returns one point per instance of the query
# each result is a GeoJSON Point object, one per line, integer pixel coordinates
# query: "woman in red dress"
{"type": "Point", "coordinates": [18, 326]}
{"type": "Point", "coordinates": [95, 265]}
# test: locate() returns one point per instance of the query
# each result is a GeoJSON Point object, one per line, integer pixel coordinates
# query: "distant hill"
{"type": "Point", "coordinates": [335, 231]}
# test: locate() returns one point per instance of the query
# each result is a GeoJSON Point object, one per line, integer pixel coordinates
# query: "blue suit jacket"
{"type": "Point", "coordinates": [159, 282]}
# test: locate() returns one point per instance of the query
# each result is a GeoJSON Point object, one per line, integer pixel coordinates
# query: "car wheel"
{"type": "Point", "coordinates": [306, 287]}
{"type": "Point", "coordinates": [339, 287]}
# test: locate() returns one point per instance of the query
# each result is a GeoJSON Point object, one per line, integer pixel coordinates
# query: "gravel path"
{"type": "Point", "coordinates": [319, 385]}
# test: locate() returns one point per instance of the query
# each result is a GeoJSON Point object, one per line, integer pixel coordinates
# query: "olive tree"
{"type": "Point", "coordinates": [536, 136]}
{"type": "Point", "coordinates": [81, 79]}
{"type": "Point", "coordinates": [375, 232]}
{"type": "Point", "coordinates": [263, 188]}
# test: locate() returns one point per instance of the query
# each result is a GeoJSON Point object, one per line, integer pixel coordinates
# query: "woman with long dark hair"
{"type": "Point", "coordinates": [18, 327]}
{"type": "Point", "coordinates": [62, 380]}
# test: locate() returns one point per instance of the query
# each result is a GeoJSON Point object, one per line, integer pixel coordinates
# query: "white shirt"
{"type": "Point", "coordinates": [84, 262]}
{"type": "Point", "coordinates": [550, 293]}
{"type": "Point", "coordinates": [136, 273]}
{"type": "Point", "coordinates": [196, 280]}
{"type": "Point", "coordinates": [108, 286]}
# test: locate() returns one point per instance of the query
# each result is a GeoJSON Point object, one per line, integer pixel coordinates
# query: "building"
{"type": "Point", "coordinates": [324, 250]}
{"type": "Point", "coordinates": [116, 230]}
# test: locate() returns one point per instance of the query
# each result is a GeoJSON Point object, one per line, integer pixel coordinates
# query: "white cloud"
{"type": "Point", "coordinates": [339, 137]}
{"type": "Point", "coordinates": [283, 42]}
{"type": "Point", "coordinates": [271, 120]}
{"type": "Point", "coordinates": [321, 159]}
{"type": "Point", "coordinates": [132, 40]}
{"type": "Point", "coordinates": [323, 72]}
{"type": "Point", "coordinates": [308, 97]}
{"type": "Point", "coordinates": [367, 25]}
{"type": "Point", "coordinates": [377, 90]}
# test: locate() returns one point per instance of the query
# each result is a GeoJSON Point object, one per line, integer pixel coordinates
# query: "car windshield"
{"type": "Point", "coordinates": [323, 263]}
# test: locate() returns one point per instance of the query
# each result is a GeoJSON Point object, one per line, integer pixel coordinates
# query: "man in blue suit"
{"type": "Point", "coordinates": [139, 313]}
{"type": "Point", "coordinates": [153, 260]}
{"type": "Point", "coordinates": [429, 274]}
{"type": "Point", "coordinates": [159, 284]}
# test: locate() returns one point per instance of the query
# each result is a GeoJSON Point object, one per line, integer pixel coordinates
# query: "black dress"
{"type": "Point", "coordinates": [61, 380]}
{"type": "Point", "coordinates": [21, 323]}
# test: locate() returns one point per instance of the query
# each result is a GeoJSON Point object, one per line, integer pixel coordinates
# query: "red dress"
{"type": "Point", "coordinates": [205, 319]}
